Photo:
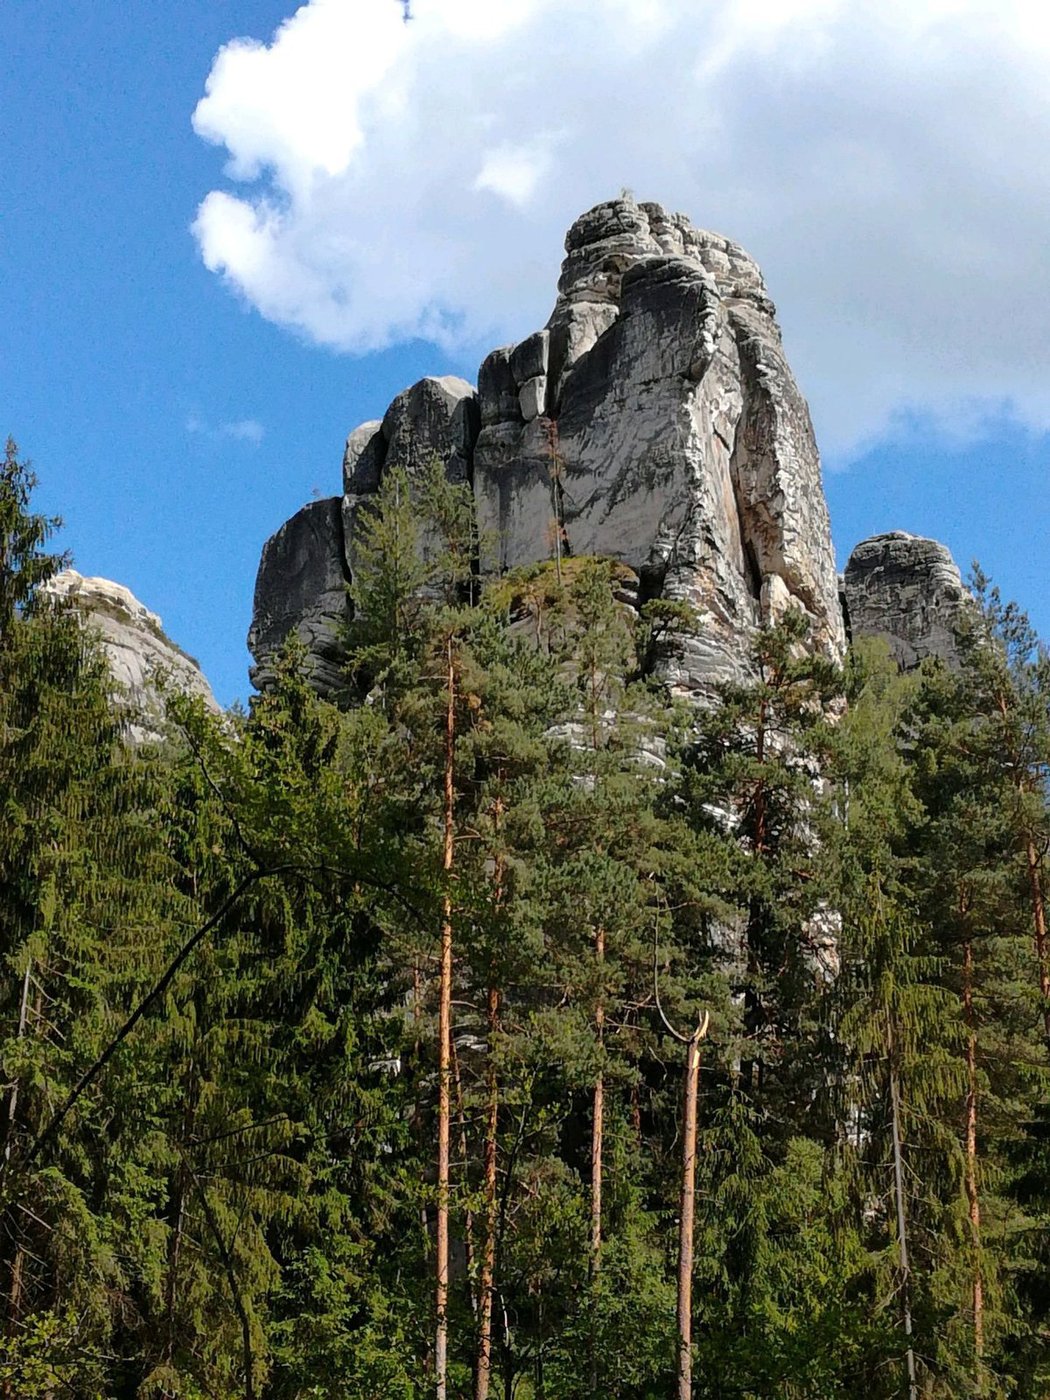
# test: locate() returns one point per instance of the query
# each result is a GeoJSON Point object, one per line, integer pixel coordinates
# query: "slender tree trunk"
{"type": "Point", "coordinates": [486, 1280]}
{"type": "Point", "coordinates": [902, 1221]}
{"type": "Point", "coordinates": [597, 1132]}
{"type": "Point", "coordinates": [445, 1046]}
{"type": "Point", "coordinates": [598, 1120]}
{"type": "Point", "coordinates": [464, 1157]}
{"type": "Point", "coordinates": [1035, 886]}
{"type": "Point", "coordinates": [14, 1305]}
{"type": "Point", "coordinates": [171, 1287]}
{"type": "Point", "coordinates": [972, 1196]}
{"type": "Point", "coordinates": [685, 1222]}
{"type": "Point", "coordinates": [487, 1276]}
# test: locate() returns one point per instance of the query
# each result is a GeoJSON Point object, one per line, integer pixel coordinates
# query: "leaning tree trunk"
{"type": "Point", "coordinates": [230, 1269]}
{"type": "Point", "coordinates": [464, 1158]}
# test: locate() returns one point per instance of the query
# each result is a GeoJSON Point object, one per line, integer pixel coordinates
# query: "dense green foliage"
{"type": "Point", "coordinates": [220, 990]}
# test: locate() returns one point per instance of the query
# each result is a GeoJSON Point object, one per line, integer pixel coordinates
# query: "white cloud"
{"type": "Point", "coordinates": [513, 172]}
{"type": "Point", "coordinates": [883, 159]}
{"type": "Point", "coordinates": [244, 430]}
{"type": "Point", "coordinates": [248, 430]}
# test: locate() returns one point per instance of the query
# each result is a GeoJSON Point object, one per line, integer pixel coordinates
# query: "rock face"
{"type": "Point", "coordinates": [301, 588]}
{"type": "Point", "coordinates": [908, 590]}
{"type": "Point", "coordinates": [138, 651]}
{"type": "Point", "coordinates": [653, 420]}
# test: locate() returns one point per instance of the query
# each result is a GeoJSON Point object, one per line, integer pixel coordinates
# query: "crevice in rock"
{"type": "Point", "coordinates": [752, 567]}
{"type": "Point", "coordinates": [844, 605]}
{"type": "Point", "coordinates": [752, 573]}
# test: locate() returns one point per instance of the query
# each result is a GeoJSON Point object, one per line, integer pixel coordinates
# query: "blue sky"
{"type": "Point", "coordinates": [184, 380]}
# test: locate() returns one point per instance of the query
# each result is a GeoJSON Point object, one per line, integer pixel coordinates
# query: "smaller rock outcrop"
{"type": "Point", "coordinates": [908, 590]}
{"type": "Point", "coordinates": [301, 588]}
{"type": "Point", "coordinates": [306, 566]}
{"type": "Point", "coordinates": [140, 654]}
{"type": "Point", "coordinates": [435, 418]}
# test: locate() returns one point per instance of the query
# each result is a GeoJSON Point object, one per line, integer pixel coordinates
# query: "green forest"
{"type": "Point", "coordinates": [349, 1050]}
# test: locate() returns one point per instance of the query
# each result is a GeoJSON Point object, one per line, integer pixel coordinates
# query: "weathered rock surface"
{"type": "Point", "coordinates": [908, 590]}
{"type": "Point", "coordinates": [363, 458]}
{"type": "Point", "coordinates": [141, 656]}
{"type": "Point", "coordinates": [435, 419]}
{"type": "Point", "coordinates": [305, 568]}
{"type": "Point", "coordinates": [661, 425]}
{"type": "Point", "coordinates": [653, 420]}
{"type": "Point", "coordinates": [301, 588]}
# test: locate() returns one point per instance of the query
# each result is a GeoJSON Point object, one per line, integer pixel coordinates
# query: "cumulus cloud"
{"type": "Point", "coordinates": [883, 159]}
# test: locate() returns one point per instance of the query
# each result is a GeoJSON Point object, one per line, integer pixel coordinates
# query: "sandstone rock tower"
{"type": "Point", "coordinates": [908, 590]}
{"type": "Point", "coordinates": [653, 420]}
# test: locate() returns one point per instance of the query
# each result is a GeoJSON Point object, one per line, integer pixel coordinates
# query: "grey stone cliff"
{"type": "Point", "coordinates": [301, 588]}
{"type": "Point", "coordinates": [140, 655]}
{"type": "Point", "coordinates": [908, 590]}
{"type": "Point", "coordinates": [653, 420]}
